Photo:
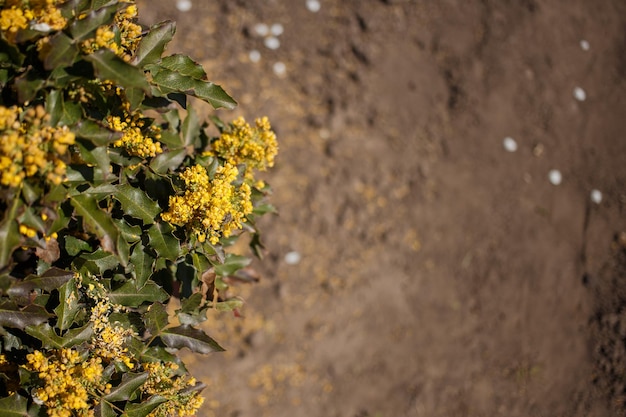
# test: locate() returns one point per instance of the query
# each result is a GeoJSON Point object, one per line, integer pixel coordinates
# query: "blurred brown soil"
{"type": "Point", "coordinates": [440, 275]}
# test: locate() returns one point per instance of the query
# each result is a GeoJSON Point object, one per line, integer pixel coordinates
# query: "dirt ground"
{"type": "Point", "coordinates": [439, 273]}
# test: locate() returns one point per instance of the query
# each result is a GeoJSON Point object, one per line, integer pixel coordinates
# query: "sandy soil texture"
{"type": "Point", "coordinates": [421, 265]}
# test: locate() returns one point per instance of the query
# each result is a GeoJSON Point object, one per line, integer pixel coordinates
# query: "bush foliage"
{"type": "Point", "coordinates": [114, 198]}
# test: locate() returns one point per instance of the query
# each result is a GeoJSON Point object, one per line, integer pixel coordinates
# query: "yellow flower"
{"type": "Point", "coordinates": [133, 139]}
{"type": "Point", "coordinates": [256, 147]}
{"type": "Point", "coordinates": [210, 208]}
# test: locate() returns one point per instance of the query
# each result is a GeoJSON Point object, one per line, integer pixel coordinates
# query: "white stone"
{"type": "Point", "coordinates": [596, 196]}
{"type": "Point", "coordinates": [509, 144]}
{"type": "Point", "coordinates": [277, 29]}
{"type": "Point", "coordinates": [555, 177]}
{"type": "Point", "coordinates": [279, 68]}
{"type": "Point", "coordinates": [313, 5]}
{"type": "Point", "coordinates": [272, 42]}
{"type": "Point", "coordinates": [579, 94]}
{"type": "Point", "coordinates": [261, 29]}
{"type": "Point", "coordinates": [293, 258]}
{"type": "Point", "coordinates": [584, 45]}
{"type": "Point", "coordinates": [254, 55]}
{"type": "Point", "coordinates": [183, 5]}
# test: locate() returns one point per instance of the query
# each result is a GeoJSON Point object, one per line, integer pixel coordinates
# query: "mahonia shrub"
{"type": "Point", "coordinates": [114, 199]}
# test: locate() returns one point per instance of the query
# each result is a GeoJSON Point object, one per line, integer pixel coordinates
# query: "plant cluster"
{"type": "Point", "coordinates": [114, 198]}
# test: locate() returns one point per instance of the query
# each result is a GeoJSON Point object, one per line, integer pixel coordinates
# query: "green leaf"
{"type": "Point", "coordinates": [94, 155]}
{"type": "Point", "coordinates": [12, 316]}
{"type": "Point", "coordinates": [28, 86]}
{"type": "Point", "coordinates": [86, 26]}
{"type": "Point", "coordinates": [68, 305]}
{"type": "Point", "coordinates": [168, 160]}
{"type": "Point", "coordinates": [137, 204]}
{"type": "Point", "coordinates": [48, 281]}
{"type": "Point", "coordinates": [169, 80]}
{"type": "Point", "coordinates": [157, 354]}
{"type": "Point", "coordinates": [183, 65]}
{"type": "Point", "coordinates": [145, 408]}
{"type": "Point", "coordinates": [98, 134]}
{"type": "Point", "coordinates": [156, 319]}
{"type": "Point", "coordinates": [60, 52]}
{"type": "Point", "coordinates": [60, 111]}
{"type": "Point", "coordinates": [127, 389]}
{"type": "Point", "coordinates": [194, 339]}
{"type": "Point", "coordinates": [231, 264]}
{"type": "Point", "coordinates": [98, 262]}
{"type": "Point", "coordinates": [105, 409]}
{"type": "Point", "coordinates": [9, 234]}
{"type": "Point", "coordinates": [163, 242]}
{"type": "Point", "coordinates": [14, 406]}
{"type": "Point", "coordinates": [143, 264]}
{"type": "Point", "coordinates": [96, 220]}
{"type": "Point", "coordinates": [151, 46]}
{"type": "Point", "coordinates": [74, 246]}
{"type": "Point", "coordinates": [109, 66]}
{"type": "Point", "coordinates": [229, 305]}
{"type": "Point", "coordinates": [135, 97]}
{"type": "Point", "coordinates": [191, 127]}
{"type": "Point", "coordinates": [50, 339]}
{"type": "Point", "coordinates": [130, 296]}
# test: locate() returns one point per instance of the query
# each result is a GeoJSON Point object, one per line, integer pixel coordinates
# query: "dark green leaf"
{"type": "Point", "coordinates": [94, 155]}
{"type": "Point", "coordinates": [68, 305]}
{"type": "Point", "coordinates": [163, 242]}
{"type": "Point", "coordinates": [143, 264]}
{"type": "Point", "coordinates": [9, 234]}
{"type": "Point", "coordinates": [98, 262]}
{"type": "Point", "coordinates": [136, 203]}
{"type": "Point", "coordinates": [156, 319]}
{"type": "Point", "coordinates": [14, 406]}
{"type": "Point", "coordinates": [75, 337]}
{"type": "Point", "coordinates": [59, 52]}
{"type": "Point", "coordinates": [28, 86]}
{"type": "Point", "coordinates": [135, 97]}
{"type": "Point", "coordinates": [232, 264]}
{"type": "Point", "coordinates": [98, 134]}
{"type": "Point", "coordinates": [86, 26]}
{"type": "Point", "coordinates": [229, 305]}
{"type": "Point", "coordinates": [109, 66]}
{"type": "Point", "coordinates": [74, 246]}
{"type": "Point", "coordinates": [127, 389]}
{"type": "Point", "coordinates": [11, 316]}
{"type": "Point", "coordinates": [191, 127]}
{"type": "Point", "coordinates": [145, 408]}
{"type": "Point", "coordinates": [130, 296]}
{"type": "Point", "coordinates": [96, 220]}
{"type": "Point", "coordinates": [50, 280]}
{"type": "Point", "coordinates": [157, 354]}
{"type": "Point", "coordinates": [60, 111]}
{"type": "Point", "coordinates": [194, 339]}
{"type": "Point", "coordinates": [183, 65]}
{"type": "Point", "coordinates": [213, 94]}
{"type": "Point", "coordinates": [151, 47]}
{"type": "Point", "coordinates": [168, 160]}
{"type": "Point", "coordinates": [104, 409]}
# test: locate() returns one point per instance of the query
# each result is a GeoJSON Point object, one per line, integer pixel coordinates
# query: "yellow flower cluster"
{"type": "Point", "coordinates": [67, 381]}
{"type": "Point", "coordinates": [109, 340]}
{"type": "Point", "coordinates": [28, 146]}
{"type": "Point", "coordinates": [122, 37]}
{"type": "Point", "coordinates": [163, 381]}
{"type": "Point", "coordinates": [19, 14]}
{"type": "Point", "coordinates": [210, 208]}
{"type": "Point", "coordinates": [255, 146]}
{"type": "Point", "coordinates": [133, 139]}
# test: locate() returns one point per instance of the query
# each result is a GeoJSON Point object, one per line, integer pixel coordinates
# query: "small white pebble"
{"type": "Point", "coordinates": [555, 177]}
{"type": "Point", "coordinates": [584, 45]}
{"type": "Point", "coordinates": [509, 144]}
{"type": "Point", "coordinates": [254, 55]}
{"type": "Point", "coordinates": [596, 196]}
{"type": "Point", "coordinates": [293, 258]}
{"type": "Point", "coordinates": [277, 29]}
{"type": "Point", "coordinates": [313, 5]}
{"type": "Point", "coordinates": [279, 68]}
{"type": "Point", "coordinates": [272, 42]}
{"type": "Point", "coordinates": [579, 94]}
{"type": "Point", "coordinates": [183, 5]}
{"type": "Point", "coordinates": [261, 29]}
